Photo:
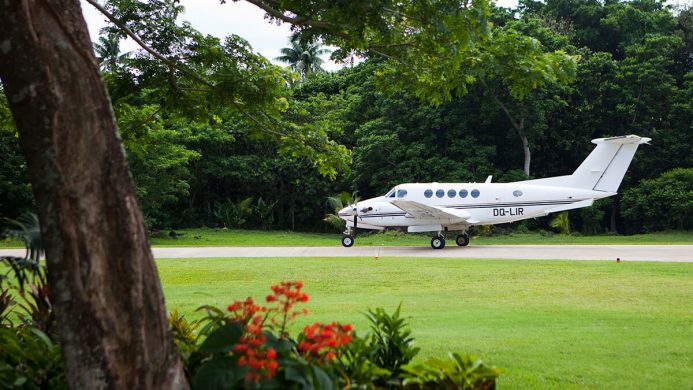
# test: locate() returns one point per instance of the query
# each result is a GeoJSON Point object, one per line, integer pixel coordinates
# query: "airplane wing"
{"type": "Point", "coordinates": [420, 210]}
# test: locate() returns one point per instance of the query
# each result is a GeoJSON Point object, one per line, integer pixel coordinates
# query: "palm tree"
{"type": "Point", "coordinates": [303, 57]}
{"type": "Point", "coordinates": [108, 52]}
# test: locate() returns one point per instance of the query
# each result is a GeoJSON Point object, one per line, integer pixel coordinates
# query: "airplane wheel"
{"type": "Point", "coordinates": [462, 240]}
{"type": "Point", "coordinates": [438, 242]}
{"type": "Point", "coordinates": [347, 240]}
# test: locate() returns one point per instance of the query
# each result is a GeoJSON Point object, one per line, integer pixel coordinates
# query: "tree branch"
{"type": "Point", "coordinates": [297, 20]}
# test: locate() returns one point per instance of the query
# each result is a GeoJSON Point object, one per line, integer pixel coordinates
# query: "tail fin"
{"type": "Point", "coordinates": [604, 168]}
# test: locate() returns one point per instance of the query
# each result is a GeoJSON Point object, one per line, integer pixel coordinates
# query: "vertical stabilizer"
{"type": "Point", "coordinates": [603, 169]}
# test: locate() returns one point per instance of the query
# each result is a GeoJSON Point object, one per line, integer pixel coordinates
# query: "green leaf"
{"type": "Point", "coordinates": [218, 373]}
{"type": "Point", "coordinates": [322, 380]}
{"type": "Point", "coordinates": [223, 339]}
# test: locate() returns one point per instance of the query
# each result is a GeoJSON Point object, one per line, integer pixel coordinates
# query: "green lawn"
{"type": "Point", "coordinates": [547, 324]}
{"type": "Point", "coordinates": [222, 237]}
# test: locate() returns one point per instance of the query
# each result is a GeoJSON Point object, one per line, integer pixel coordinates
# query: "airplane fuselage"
{"type": "Point", "coordinates": [486, 204]}
{"type": "Point", "coordinates": [438, 207]}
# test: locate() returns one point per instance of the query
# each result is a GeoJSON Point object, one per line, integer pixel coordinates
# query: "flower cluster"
{"type": "Point", "coordinates": [251, 349]}
{"type": "Point", "coordinates": [321, 340]}
{"type": "Point", "coordinates": [286, 295]}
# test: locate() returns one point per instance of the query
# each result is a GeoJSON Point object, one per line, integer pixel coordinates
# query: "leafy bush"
{"type": "Point", "coordinates": [562, 223]}
{"type": "Point", "coordinates": [233, 215]}
{"type": "Point", "coordinates": [248, 346]}
{"type": "Point", "coordinates": [391, 341]}
{"type": "Point", "coordinates": [458, 372]}
{"type": "Point", "coordinates": [30, 357]}
{"type": "Point", "coordinates": [662, 203]}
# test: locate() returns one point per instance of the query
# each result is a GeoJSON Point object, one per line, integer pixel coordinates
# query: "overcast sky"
{"type": "Point", "coordinates": [240, 18]}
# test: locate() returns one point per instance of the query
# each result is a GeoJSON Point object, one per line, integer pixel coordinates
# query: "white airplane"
{"type": "Point", "coordinates": [441, 207]}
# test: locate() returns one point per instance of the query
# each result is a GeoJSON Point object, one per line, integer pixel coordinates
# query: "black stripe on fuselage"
{"type": "Point", "coordinates": [479, 206]}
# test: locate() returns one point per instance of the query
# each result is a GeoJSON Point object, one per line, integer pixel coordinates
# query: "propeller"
{"type": "Point", "coordinates": [355, 209]}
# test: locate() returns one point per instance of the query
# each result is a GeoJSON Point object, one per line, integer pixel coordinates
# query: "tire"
{"type": "Point", "coordinates": [437, 242]}
{"type": "Point", "coordinates": [347, 240]}
{"type": "Point", "coordinates": [462, 240]}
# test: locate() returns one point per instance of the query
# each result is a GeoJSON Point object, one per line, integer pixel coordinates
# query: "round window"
{"type": "Point", "coordinates": [475, 193]}
{"type": "Point", "coordinates": [440, 193]}
{"type": "Point", "coordinates": [517, 193]}
{"type": "Point", "coordinates": [428, 193]}
{"type": "Point", "coordinates": [452, 193]}
{"type": "Point", "coordinates": [463, 193]}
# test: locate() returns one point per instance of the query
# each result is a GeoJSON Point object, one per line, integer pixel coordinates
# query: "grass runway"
{"type": "Point", "coordinates": [546, 324]}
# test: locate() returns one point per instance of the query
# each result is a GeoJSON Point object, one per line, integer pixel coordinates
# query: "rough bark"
{"type": "Point", "coordinates": [106, 291]}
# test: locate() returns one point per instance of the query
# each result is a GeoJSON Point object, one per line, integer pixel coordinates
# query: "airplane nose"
{"type": "Point", "coordinates": [347, 211]}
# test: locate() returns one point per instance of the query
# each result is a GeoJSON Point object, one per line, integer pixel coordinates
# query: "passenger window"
{"type": "Point", "coordinates": [463, 193]}
{"type": "Point", "coordinates": [401, 193]}
{"type": "Point", "coordinates": [475, 193]}
{"type": "Point", "coordinates": [452, 193]}
{"type": "Point", "coordinates": [440, 193]}
{"type": "Point", "coordinates": [428, 193]}
{"type": "Point", "coordinates": [517, 193]}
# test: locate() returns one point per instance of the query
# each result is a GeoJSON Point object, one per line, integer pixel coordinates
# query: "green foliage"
{"type": "Point", "coordinates": [391, 340]}
{"type": "Point", "coordinates": [15, 190]}
{"type": "Point", "coordinates": [336, 203]}
{"type": "Point", "coordinates": [233, 215]}
{"type": "Point", "coordinates": [459, 372]}
{"type": "Point", "coordinates": [561, 222]}
{"type": "Point", "coordinates": [660, 203]}
{"type": "Point", "coordinates": [303, 57]}
{"type": "Point", "coordinates": [225, 124]}
{"type": "Point", "coordinates": [264, 212]}
{"type": "Point", "coordinates": [249, 347]}
{"type": "Point", "coordinates": [30, 360]}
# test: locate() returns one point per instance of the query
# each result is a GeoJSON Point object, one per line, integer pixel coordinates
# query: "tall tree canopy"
{"type": "Point", "coordinates": [208, 123]}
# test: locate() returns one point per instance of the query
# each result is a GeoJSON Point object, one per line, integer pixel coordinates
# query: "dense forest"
{"type": "Point", "coordinates": [312, 134]}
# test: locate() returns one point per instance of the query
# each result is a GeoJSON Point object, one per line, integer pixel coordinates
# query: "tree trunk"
{"type": "Point", "coordinates": [525, 145]}
{"type": "Point", "coordinates": [105, 288]}
{"type": "Point", "coordinates": [519, 126]}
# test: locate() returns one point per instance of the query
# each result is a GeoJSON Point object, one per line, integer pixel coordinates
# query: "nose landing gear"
{"type": "Point", "coordinates": [347, 240]}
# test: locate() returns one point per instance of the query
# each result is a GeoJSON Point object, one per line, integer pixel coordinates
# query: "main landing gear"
{"type": "Point", "coordinates": [438, 242]}
{"type": "Point", "coordinates": [462, 239]}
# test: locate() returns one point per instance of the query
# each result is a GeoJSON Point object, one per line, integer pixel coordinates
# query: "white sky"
{"type": "Point", "coordinates": [240, 18]}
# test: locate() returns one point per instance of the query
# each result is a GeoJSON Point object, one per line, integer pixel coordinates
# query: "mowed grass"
{"type": "Point", "coordinates": [546, 324]}
{"type": "Point", "coordinates": [224, 237]}
{"type": "Point", "coordinates": [237, 237]}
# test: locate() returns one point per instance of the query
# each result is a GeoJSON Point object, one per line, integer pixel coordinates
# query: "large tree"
{"type": "Point", "coordinates": [105, 289]}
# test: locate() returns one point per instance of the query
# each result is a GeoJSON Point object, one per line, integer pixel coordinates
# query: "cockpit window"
{"type": "Point", "coordinates": [401, 193]}
{"type": "Point", "coordinates": [391, 193]}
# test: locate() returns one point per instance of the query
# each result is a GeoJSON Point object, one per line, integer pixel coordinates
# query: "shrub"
{"type": "Point", "coordinates": [249, 346]}
{"type": "Point", "coordinates": [665, 202]}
